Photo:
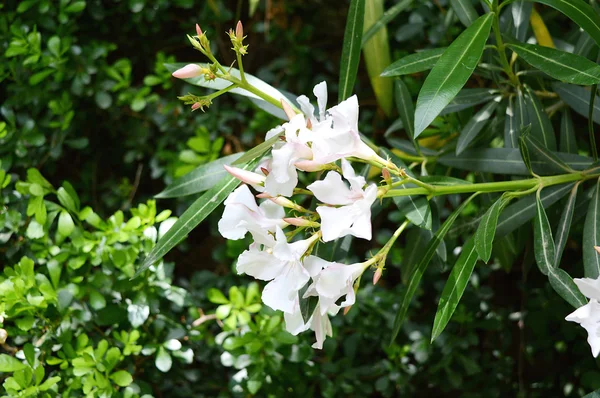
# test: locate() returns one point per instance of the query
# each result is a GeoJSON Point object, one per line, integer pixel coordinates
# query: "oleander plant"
{"type": "Point", "coordinates": [402, 198]}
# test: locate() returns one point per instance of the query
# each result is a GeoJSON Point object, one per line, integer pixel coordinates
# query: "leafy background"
{"type": "Point", "coordinates": [88, 102]}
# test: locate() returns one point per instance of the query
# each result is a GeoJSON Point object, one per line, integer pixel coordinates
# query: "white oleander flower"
{"type": "Point", "coordinates": [588, 316]}
{"type": "Point", "coordinates": [354, 215]}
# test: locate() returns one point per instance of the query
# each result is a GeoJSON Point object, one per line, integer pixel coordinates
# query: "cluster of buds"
{"type": "Point", "coordinates": [237, 39]}
{"type": "Point", "coordinates": [196, 101]}
{"type": "Point", "coordinates": [200, 42]}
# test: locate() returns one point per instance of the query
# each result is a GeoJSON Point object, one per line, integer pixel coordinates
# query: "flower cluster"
{"type": "Point", "coordinates": [307, 143]}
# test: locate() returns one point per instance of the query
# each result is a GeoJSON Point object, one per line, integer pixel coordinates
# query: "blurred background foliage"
{"type": "Point", "coordinates": [87, 101]}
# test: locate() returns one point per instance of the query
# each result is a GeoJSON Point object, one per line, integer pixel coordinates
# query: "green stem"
{"type": "Point", "coordinates": [591, 122]}
{"type": "Point", "coordinates": [241, 67]}
{"type": "Point", "coordinates": [222, 91]}
{"type": "Point", "coordinates": [500, 46]}
{"type": "Point", "coordinates": [500, 186]}
{"type": "Point", "coordinates": [250, 88]}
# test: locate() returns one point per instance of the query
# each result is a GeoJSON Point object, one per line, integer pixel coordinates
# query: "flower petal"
{"type": "Point", "coordinates": [332, 190]}
{"type": "Point", "coordinates": [320, 91]}
{"type": "Point", "coordinates": [589, 287]}
{"type": "Point", "coordinates": [260, 264]}
{"type": "Point", "coordinates": [335, 222]}
{"type": "Point", "coordinates": [588, 317]}
{"type": "Point", "coordinates": [282, 292]}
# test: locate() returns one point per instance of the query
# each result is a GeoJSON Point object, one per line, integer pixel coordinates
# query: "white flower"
{"type": "Point", "coordinates": [588, 316]}
{"type": "Point", "coordinates": [282, 266]}
{"type": "Point", "coordinates": [283, 176]}
{"type": "Point", "coordinates": [318, 322]}
{"type": "Point", "coordinates": [334, 282]}
{"type": "Point", "coordinates": [354, 215]}
{"type": "Point", "coordinates": [242, 215]}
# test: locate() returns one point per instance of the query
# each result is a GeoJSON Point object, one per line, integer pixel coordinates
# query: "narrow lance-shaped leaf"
{"type": "Point", "coordinates": [580, 12]}
{"type": "Point", "coordinates": [578, 98]}
{"type": "Point", "coordinates": [537, 151]}
{"type": "Point", "coordinates": [351, 48]}
{"type": "Point", "coordinates": [522, 114]}
{"type": "Point", "coordinates": [455, 287]}
{"type": "Point", "coordinates": [414, 63]}
{"type": "Point", "coordinates": [563, 284]}
{"type": "Point", "coordinates": [475, 125]}
{"type": "Point", "coordinates": [507, 161]}
{"type": "Point", "coordinates": [543, 244]}
{"type": "Point", "coordinates": [487, 230]}
{"type": "Point", "coordinates": [387, 16]}
{"type": "Point", "coordinates": [464, 11]}
{"type": "Point", "coordinates": [584, 45]}
{"type": "Point", "coordinates": [193, 216]}
{"type": "Point", "coordinates": [406, 110]}
{"type": "Point", "coordinates": [416, 243]}
{"type": "Point", "coordinates": [591, 236]}
{"type": "Point", "coordinates": [451, 72]}
{"type": "Point", "coordinates": [510, 125]}
{"type": "Point", "coordinates": [468, 98]}
{"type": "Point", "coordinates": [541, 127]}
{"type": "Point", "coordinates": [568, 143]}
{"type": "Point", "coordinates": [415, 277]}
{"type": "Point", "coordinates": [200, 179]}
{"type": "Point", "coordinates": [525, 150]}
{"type": "Point", "coordinates": [561, 65]}
{"type": "Point", "coordinates": [564, 225]}
{"type": "Point", "coordinates": [520, 10]}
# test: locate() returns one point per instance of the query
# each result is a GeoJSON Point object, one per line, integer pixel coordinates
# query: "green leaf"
{"type": "Point", "coordinates": [200, 179]}
{"type": "Point", "coordinates": [122, 378]}
{"type": "Point", "coordinates": [568, 142]}
{"type": "Point", "coordinates": [219, 84]}
{"type": "Point", "coordinates": [65, 223]}
{"type": "Point", "coordinates": [75, 7]}
{"type": "Point", "coordinates": [464, 11]}
{"type": "Point", "coordinates": [525, 150]}
{"type": "Point", "coordinates": [580, 12]}
{"type": "Point", "coordinates": [451, 72]}
{"type": "Point", "coordinates": [387, 16]}
{"type": "Point", "coordinates": [507, 161]}
{"type": "Point", "coordinates": [10, 364]}
{"type": "Point", "coordinates": [455, 287]}
{"type": "Point", "coordinates": [561, 65]}
{"type": "Point", "coordinates": [29, 352]}
{"type": "Point", "coordinates": [543, 243]}
{"type": "Point", "coordinates": [38, 77]}
{"type": "Point", "coordinates": [215, 296]}
{"type": "Point", "coordinates": [578, 98]}
{"type": "Point", "coordinates": [487, 230]}
{"type": "Point", "coordinates": [521, 11]}
{"type": "Point", "coordinates": [475, 125]}
{"type": "Point", "coordinates": [510, 125]}
{"type": "Point", "coordinates": [468, 98]}
{"type": "Point", "coordinates": [351, 48]}
{"type": "Point", "coordinates": [414, 63]}
{"type": "Point", "coordinates": [537, 151]}
{"type": "Point", "coordinates": [376, 55]}
{"type": "Point", "coordinates": [591, 236]}
{"type": "Point", "coordinates": [66, 200]}
{"type": "Point", "coordinates": [564, 225]}
{"type": "Point", "coordinates": [419, 270]}
{"type": "Point", "coordinates": [524, 209]}
{"type": "Point", "coordinates": [541, 127]}
{"type": "Point", "coordinates": [563, 284]}
{"type": "Point", "coordinates": [406, 109]}
{"type": "Point", "coordinates": [193, 216]}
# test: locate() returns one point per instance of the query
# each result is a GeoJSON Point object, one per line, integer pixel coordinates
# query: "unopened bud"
{"type": "Point", "coordinates": [239, 31]}
{"type": "Point", "coordinates": [285, 202]}
{"type": "Point", "coordinates": [198, 30]}
{"type": "Point", "coordinates": [597, 249]}
{"type": "Point", "coordinates": [263, 195]}
{"type": "Point", "coordinates": [300, 222]}
{"type": "Point", "coordinates": [308, 124]}
{"type": "Point", "coordinates": [289, 112]}
{"type": "Point", "coordinates": [188, 71]}
{"type": "Point", "coordinates": [246, 176]}
{"type": "Point", "coordinates": [386, 176]}
{"type": "Point", "coordinates": [309, 165]}
{"type": "Point", "coordinates": [347, 310]}
{"type": "Point", "coordinates": [265, 171]}
{"type": "Point", "coordinates": [196, 105]}
{"type": "Point", "coordinates": [3, 336]}
{"type": "Point", "coordinates": [377, 275]}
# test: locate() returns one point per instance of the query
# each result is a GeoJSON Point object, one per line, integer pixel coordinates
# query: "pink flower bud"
{"type": "Point", "coordinates": [196, 105]}
{"type": "Point", "coordinates": [377, 275]}
{"type": "Point", "coordinates": [239, 31]}
{"type": "Point", "coordinates": [190, 70]}
{"type": "Point", "coordinates": [309, 165]}
{"type": "Point", "coordinates": [265, 171]}
{"type": "Point", "coordinates": [386, 174]}
{"type": "Point", "coordinates": [298, 222]}
{"type": "Point", "coordinates": [289, 112]}
{"type": "Point", "coordinates": [347, 310]}
{"type": "Point", "coordinates": [245, 176]}
{"type": "Point", "coordinates": [264, 195]}
{"type": "Point", "coordinates": [198, 30]}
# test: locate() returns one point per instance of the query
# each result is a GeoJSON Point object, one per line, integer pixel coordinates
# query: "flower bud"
{"type": "Point", "coordinates": [284, 202]}
{"type": "Point", "coordinates": [196, 105]}
{"type": "Point", "coordinates": [198, 30]}
{"type": "Point", "coordinates": [246, 176]}
{"type": "Point", "coordinates": [377, 275]}
{"type": "Point", "coordinates": [289, 112]}
{"type": "Point", "coordinates": [387, 177]}
{"type": "Point", "coordinates": [300, 222]}
{"type": "Point", "coordinates": [239, 31]}
{"type": "Point", "coordinates": [347, 310]}
{"type": "Point", "coordinates": [188, 71]}
{"type": "Point", "coordinates": [310, 166]}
